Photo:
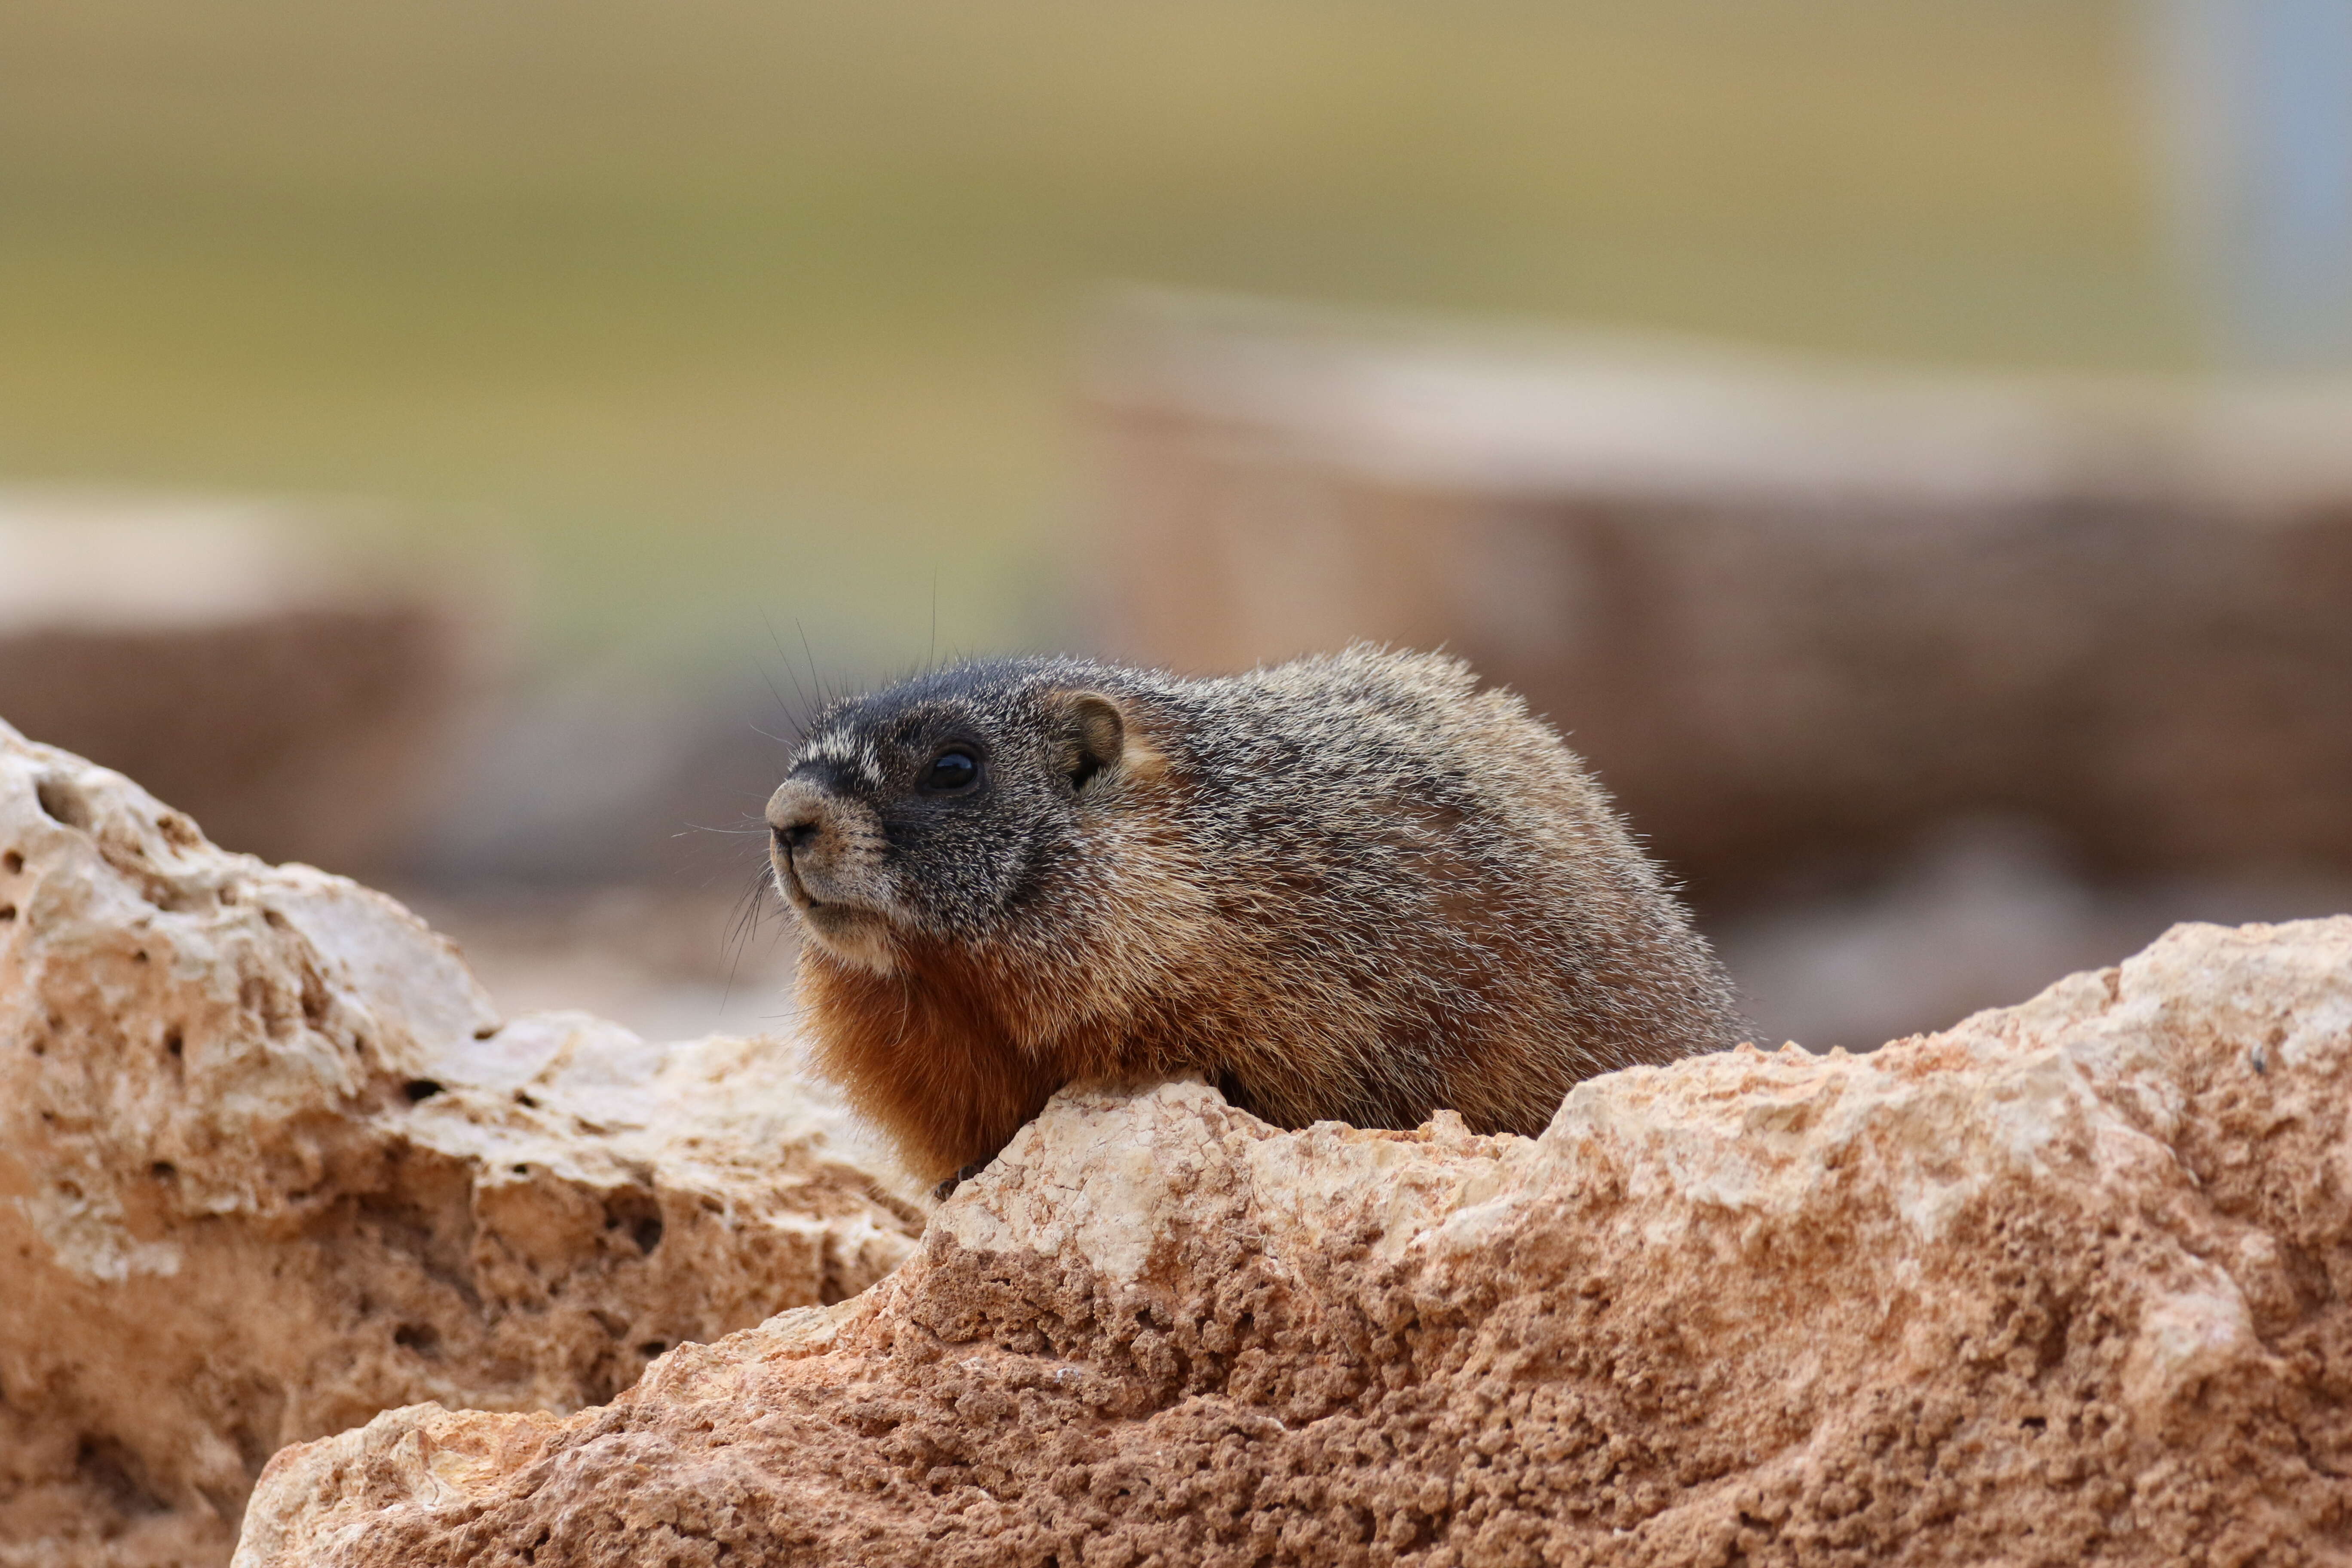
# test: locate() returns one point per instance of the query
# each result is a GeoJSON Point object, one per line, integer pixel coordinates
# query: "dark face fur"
{"type": "Point", "coordinates": [932, 807]}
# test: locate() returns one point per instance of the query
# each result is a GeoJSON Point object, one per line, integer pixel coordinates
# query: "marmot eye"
{"type": "Point", "coordinates": [953, 770]}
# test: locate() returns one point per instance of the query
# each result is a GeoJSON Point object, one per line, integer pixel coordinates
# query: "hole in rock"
{"type": "Point", "coordinates": [638, 1211]}
{"type": "Point", "coordinates": [422, 1337]}
{"type": "Point", "coordinates": [2035, 1424]}
{"type": "Point", "coordinates": [115, 1472]}
{"type": "Point", "coordinates": [653, 1347]}
{"type": "Point", "coordinates": [163, 1170]}
{"type": "Point", "coordinates": [486, 1031]}
{"type": "Point", "coordinates": [173, 1043]}
{"type": "Point", "coordinates": [420, 1088]}
{"type": "Point", "coordinates": [63, 802]}
{"type": "Point", "coordinates": [12, 862]}
{"type": "Point", "coordinates": [7, 914]}
{"type": "Point", "coordinates": [525, 1100]}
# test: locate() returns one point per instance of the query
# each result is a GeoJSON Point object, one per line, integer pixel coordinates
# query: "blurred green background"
{"type": "Point", "coordinates": [736, 313]}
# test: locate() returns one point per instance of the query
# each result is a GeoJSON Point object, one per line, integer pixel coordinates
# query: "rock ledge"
{"type": "Point", "coordinates": [2066, 1284]}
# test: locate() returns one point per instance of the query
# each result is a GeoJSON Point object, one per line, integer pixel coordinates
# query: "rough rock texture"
{"type": "Point", "coordinates": [2066, 1284]}
{"type": "Point", "coordinates": [270, 1164]}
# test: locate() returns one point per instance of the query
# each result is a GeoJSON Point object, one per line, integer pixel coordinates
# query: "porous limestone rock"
{"type": "Point", "coordinates": [270, 1164]}
{"type": "Point", "coordinates": [2066, 1284]}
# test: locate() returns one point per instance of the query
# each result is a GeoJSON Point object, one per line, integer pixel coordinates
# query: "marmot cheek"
{"type": "Point", "coordinates": [860, 886]}
{"type": "Point", "coordinates": [842, 864]}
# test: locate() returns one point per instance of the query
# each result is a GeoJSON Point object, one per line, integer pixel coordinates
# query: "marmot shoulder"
{"type": "Point", "coordinates": [1350, 888]}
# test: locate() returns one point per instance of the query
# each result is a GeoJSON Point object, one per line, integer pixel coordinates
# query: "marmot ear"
{"type": "Point", "coordinates": [1094, 735]}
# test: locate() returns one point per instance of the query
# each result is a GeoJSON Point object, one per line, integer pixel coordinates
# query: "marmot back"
{"type": "Point", "coordinates": [1352, 887]}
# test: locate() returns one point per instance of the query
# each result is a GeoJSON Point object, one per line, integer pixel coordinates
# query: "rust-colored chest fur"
{"type": "Point", "coordinates": [938, 1052]}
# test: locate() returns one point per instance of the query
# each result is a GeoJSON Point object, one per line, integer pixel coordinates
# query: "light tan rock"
{"type": "Point", "coordinates": [2066, 1284]}
{"type": "Point", "coordinates": [270, 1162]}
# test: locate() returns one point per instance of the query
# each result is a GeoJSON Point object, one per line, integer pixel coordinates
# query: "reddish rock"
{"type": "Point", "coordinates": [2066, 1284]}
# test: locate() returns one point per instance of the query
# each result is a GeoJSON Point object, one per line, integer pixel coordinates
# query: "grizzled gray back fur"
{"type": "Point", "coordinates": [1352, 887]}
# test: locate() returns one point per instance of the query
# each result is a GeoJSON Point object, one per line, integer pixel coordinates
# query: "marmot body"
{"type": "Point", "coordinates": [1352, 889]}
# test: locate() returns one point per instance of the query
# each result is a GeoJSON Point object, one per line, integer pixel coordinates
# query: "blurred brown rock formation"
{"type": "Point", "coordinates": [295, 697]}
{"type": "Point", "coordinates": [1795, 615]}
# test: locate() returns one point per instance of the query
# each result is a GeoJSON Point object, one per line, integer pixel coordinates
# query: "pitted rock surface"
{"type": "Point", "coordinates": [2066, 1284]}
{"type": "Point", "coordinates": [270, 1164]}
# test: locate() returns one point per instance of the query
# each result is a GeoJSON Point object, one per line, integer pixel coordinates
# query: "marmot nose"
{"type": "Point", "coordinates": [795, 817]}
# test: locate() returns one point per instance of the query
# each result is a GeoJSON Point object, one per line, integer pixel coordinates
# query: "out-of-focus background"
{"type": "Point", "coordinates": [1906, 443]}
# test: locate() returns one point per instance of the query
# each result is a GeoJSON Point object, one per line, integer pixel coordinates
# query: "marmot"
{"type": "Point", "coordinates": [1352, 887]}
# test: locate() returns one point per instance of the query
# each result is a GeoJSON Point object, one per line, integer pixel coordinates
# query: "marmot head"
{"type": "Point", "coordinates": [933, 808]}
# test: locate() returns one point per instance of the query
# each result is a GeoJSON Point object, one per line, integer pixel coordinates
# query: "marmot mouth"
{"type": "Point", "coordinates": [851, 935]}
{"type": "Point", "coordinates": [833, 919]}
{"type": "Point", "coordinates": [827, 917]}
{"type": "Point", "coordinates": [788, 882]}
